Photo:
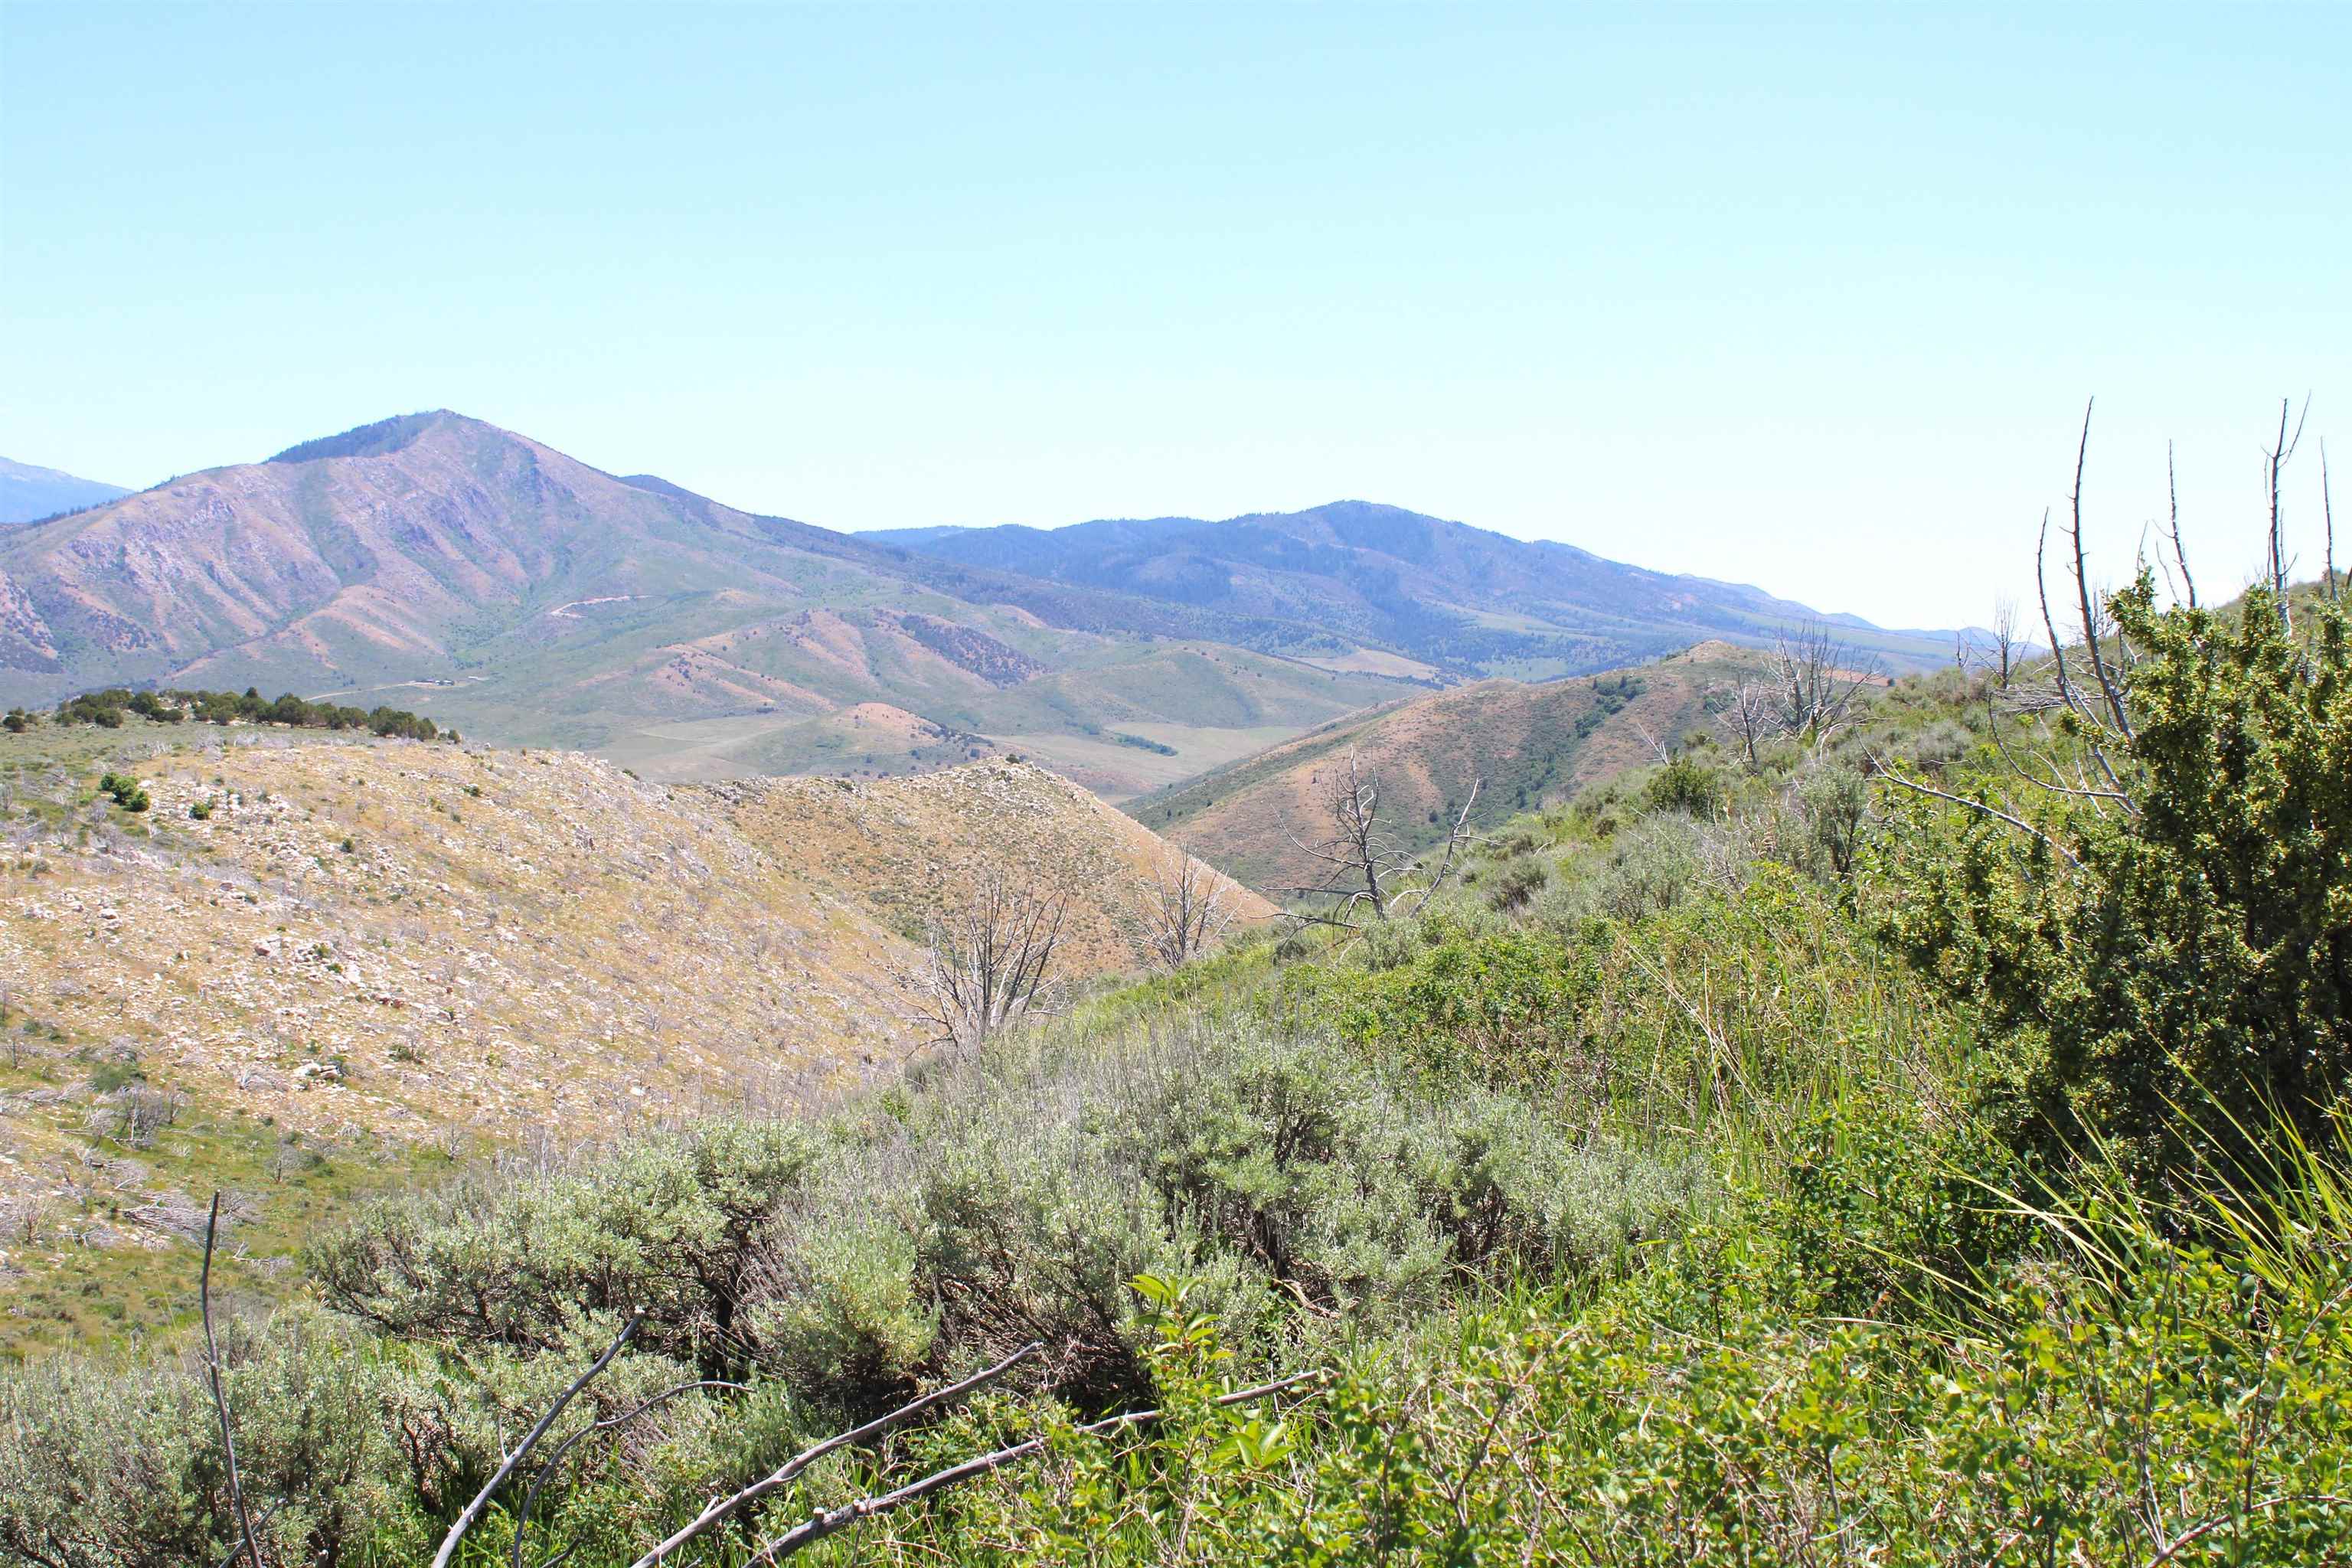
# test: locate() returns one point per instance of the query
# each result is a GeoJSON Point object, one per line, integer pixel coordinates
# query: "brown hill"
{"type": "Point", "coordinates": [368, 955]}
{"type": "Point", "coordinates": [1531, 743]}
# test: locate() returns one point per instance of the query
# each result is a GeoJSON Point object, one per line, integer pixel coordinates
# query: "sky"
{"type": "Point", "coordinates": [1807, 297]}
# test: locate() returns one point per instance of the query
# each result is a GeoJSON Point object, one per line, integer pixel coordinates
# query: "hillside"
{"type": "Point", "coordinates": [1448, 595]}
{"type": "Point", "coordinates": [511, 592]}
{"type": "Point", "coordinates": [1533, 745]}
{"type": "Point", "coordinates": [369, 956]}
{"type": "Point", "coordinates": [28, 491]}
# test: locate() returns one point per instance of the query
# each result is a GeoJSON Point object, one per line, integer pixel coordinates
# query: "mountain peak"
{"type": "Point", "coordinates": [379, 439]}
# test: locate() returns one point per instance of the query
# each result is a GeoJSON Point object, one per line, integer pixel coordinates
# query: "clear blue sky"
{"type": "Point", "coordinates": [1807, 297]}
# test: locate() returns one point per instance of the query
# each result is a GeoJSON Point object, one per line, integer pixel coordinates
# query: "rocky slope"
{"type": "Point", "coordinates": [366, 955]}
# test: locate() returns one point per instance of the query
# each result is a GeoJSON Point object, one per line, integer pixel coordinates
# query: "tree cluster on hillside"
{"type": "Point", "coordinates": [106, 707]}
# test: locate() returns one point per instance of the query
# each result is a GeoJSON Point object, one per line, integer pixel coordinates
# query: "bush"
{"type": "Point", "coordinates": [1688, 785]}
{"type": "Point", "coordinates": [2199, 944]}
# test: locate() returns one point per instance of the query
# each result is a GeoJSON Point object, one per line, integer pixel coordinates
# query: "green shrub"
{"type": "Point", "coordinates": [2197, 943]}
{"type": "Point", "coordinates": [1688, 785]}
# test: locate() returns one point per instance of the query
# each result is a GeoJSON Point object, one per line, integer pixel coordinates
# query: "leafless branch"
{"type": "Point", "coordinates": [473, 1511]}
{"type": "Point", "coordinates": [728, 1507]}
{"type": "Point", "coordinates": [220, 1398]}
{"type": "Point", "coordinates": [1815, 682]}
{"type": "Point", "coordinates": [1372, 868]}
{"type": "Point", "coordinates": [1993, 811]}
{"type": "Point", "coordinates": [608, 1423]}
{"type": "Point", "coordinates": [2276, 459]}
{"type": "Point", "coordinates": [2327, 512]}
{"type": "Point", "coordinates": [990, 961]}
{"type": "Point", "coordinates": [1745, 710]}
{"type": "Point", "coordinates": [820, 1525]}
{"type": "Point", "coordinates": [2093, 621]}
{"type": "Point", "coordinates": [2180, 555]}
{"type": "Point", "coordinates": [1183, 907]}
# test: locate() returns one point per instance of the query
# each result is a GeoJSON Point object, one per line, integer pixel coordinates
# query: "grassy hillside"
{"type": "Point", "coordinates": [1530, 744]}
{"type": "Point", "coordinates": [330, 966]}
{"type": "Point", "coordinates": [1850, 1153]}
{"type": "Point", "coordinates": [1744, 1161]}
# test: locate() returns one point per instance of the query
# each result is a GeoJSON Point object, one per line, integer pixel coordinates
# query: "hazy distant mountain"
{"type": "Point", "coordinates": [443, 565]}
{"type": "Point", "coordinates": [27, 492]}
{"type": "Point", "coordinates": [1461, 599]}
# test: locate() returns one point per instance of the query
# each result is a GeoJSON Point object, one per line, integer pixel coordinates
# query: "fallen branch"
{"type": "Point", "coordinates": [820, 1525]}
{"type": "Point", "coordinates": [473, 1513]}
{"type": "Point", "coordinates": [726, 1506]}
{"type": "Point", "coordinates": [554, 1460]}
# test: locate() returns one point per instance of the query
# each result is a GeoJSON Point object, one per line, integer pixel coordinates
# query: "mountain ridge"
{"type": "Point", "coordinates": [31, 493]}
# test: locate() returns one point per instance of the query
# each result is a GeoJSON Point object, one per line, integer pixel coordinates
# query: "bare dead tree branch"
{"type": "Point", "coordinates": [820, 1525]}
{"type": "Point", "coordinates": [2092, 621]}
{"type": "Point", "coordinates": [250, 1547]}
{"type": "Point", "coordinates": [2004, 632]}
{"type": "Point", "coordinates": [728, 1507]}
{"type": "Point", "coordinates": [989, 962]}
{"type": "Point", "coordinates": [1183, 907]}
{"type": "Point", "coordinates": [1746, 714]}
{"type": "Point", "coordinates": [473, 1511]}
{"type": "Point", "coordinates": [1993, 811]}
{"type": "Point", "coordinates": [1815, 682]}
{"type": "Point", "coordinates": [608, 1423]}
{"type": "Point", "coordinates": [2180, 555]}
{"type": "Point", "coordinates": [1373, 867]}
{"type": "Point", "coordinates": [2276, 459]}
{"type": "Point", "coordinates": [2327, 512]}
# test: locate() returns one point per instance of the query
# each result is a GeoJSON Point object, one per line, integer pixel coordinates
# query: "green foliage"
{"type": "Point", "coordinates": [1688, 785]}
{"type": "Point", "coordinates": [2198, 942]}
{"type": "Point", "coordinates": [1654, 1197]}
{"type": "Point", "coordinates": [105, 709]}
{"type": "Point", "coordinates": [126, 792]}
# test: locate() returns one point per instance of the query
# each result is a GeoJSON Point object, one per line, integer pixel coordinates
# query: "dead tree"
{"type": "Point", "coordinates": [989, 962]}
{"type": "Point", "coordinates": [1746, 712]}
{"type": "Point", "coordinates": [2327, 513]}
{"type": "Point", "coordinates": [1183, 907]}
{"type": "Point", "coordinates": [2004, 636]}
{"type": "Point", "coordinates": [1814, 681]}
{"type": "Point", "coordinates": [2275, 458]}
{"type": "Point", "coordinates": [1370, 870]}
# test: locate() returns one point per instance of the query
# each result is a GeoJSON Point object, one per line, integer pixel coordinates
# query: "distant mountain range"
{"type": "Point", "coordinates": [1462, 601]}
{"type": "Point", "coordinates": [28, 492]}
{"type": "Point", "coordinates": [436, 563]}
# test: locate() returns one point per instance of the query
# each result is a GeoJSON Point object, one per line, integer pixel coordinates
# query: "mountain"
{"type": "Point", "coordinates": [1446, 597]}
{"type": "Point", "coordinates": [27, 492]}
{"type": "Point", "coordinates": [439, 563]}
{"type": "Point", "coordinates": [368, 957]}
{"type": "Point", "coordinates": [1530, 741]}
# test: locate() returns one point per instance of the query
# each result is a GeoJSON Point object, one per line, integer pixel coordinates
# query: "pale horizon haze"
{"type": "Point", "coordinates": [1809, 297]}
